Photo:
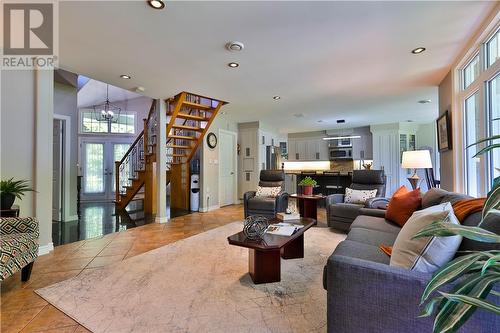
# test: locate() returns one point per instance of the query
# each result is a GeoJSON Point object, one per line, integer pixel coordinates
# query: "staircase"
{"type": "Point", "coordinates": [188, 118]}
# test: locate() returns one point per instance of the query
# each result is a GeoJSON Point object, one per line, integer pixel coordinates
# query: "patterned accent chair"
{"type": "Point", "coordinates": [18, 246]}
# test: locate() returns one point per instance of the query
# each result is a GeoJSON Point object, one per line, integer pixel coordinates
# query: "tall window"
{"type": "Point", "coordinates": [91, 124]}
{"type": "Point", "coordinates": [472, 130]}
{"type": "Point", "coordinates": [494, 117]}
{"type": "Point", "coordinates": [480, 105]}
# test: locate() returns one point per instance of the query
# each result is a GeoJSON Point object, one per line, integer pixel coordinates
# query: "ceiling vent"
{"type": "Point", "coordinates": [235, 46]}
{"type": "Point", "coordinates": [340, 121]}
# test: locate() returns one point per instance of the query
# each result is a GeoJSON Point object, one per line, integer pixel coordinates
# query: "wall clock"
{"type": "Point", "coordinates": [211, 140]}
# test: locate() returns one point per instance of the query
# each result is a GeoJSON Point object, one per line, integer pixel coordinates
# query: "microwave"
{"type": "Point", "coordinates": [339, 153]}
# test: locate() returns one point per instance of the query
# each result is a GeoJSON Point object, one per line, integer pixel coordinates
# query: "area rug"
{"type": "Point", "coordinates": [200, 284]}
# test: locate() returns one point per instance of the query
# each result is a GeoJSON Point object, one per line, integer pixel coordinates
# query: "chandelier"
{"type": "Point", "coordinates": [107, 111]}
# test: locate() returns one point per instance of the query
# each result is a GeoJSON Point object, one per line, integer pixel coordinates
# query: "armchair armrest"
{"type": "Point", "coordinates": [372, 212]}
{"type": "Point", "coordinates": [246, 196]}
{"type": "Point", "coordinates": [19, 225]}
{"type": "Point", "coordinates": [281, 202]}
{"type": "Point", "coordinates": [334, 199]}
{"type": "Point", "coordinates": [377, 202]}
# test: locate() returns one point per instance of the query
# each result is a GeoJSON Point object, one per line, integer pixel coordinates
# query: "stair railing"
{"type": "Point", "coordinates": [134, 160]}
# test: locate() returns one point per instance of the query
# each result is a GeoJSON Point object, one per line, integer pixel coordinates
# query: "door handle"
{"type": "Point", "coordinates": [232, 173]}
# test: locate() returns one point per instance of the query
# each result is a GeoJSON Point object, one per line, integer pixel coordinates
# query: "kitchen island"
{"type": "Point", "coordinates": [328, 181]}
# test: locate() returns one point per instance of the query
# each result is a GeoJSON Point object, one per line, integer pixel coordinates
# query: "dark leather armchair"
{"type": "Point", "coordinates": [267, 206]}
{"type": "Point", "coordinates": [340, 215]}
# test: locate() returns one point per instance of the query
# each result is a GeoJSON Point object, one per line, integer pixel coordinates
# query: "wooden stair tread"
{"type": "Point", "coordinates": [182, 137]}
{"type": "Point", "coordinates": [197, 106]}
{"type": "Point", "coordinates": [178, 146]}
{"type": "Point", "coordinates": [176, 155]}
{"type": "Point", "coordinates": [191, 117]}
{"type": "Point", "coordinates": [187, 127]}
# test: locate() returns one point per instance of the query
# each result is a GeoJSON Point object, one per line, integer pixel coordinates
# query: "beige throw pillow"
{"type": "Point", "coordinates": [358, 196]}
{"type": "Point", "coordinates": [271, 192]}
{"type": "Point", "coordinates": [426, 254]}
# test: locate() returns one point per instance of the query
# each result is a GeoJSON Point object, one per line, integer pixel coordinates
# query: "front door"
{"type": "Point", "coordinates": [98, 164]}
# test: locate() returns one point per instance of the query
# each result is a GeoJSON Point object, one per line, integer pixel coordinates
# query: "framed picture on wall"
{"type": "Point", "coordinates": [444, 132]}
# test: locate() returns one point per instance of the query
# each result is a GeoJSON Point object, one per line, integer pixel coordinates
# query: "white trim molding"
{"type": "Point", "coordinates": [161, 219]}
{"type": "Point", "coordinates": [45, 249]}
{"type": "Point", "coordinates": [208, 209]}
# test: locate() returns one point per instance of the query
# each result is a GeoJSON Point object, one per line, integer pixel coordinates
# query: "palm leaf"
{"type": "Point", "coordinates": [446, 229]}
{"type": "Point", "coordinates": [487, 149]}
{"type": "Point", "coordinates": [451, 271]}
{"type": "Point", "coordinates": [474, 301]}
{"type": "Point", "coordinates": [454, 314]}
{"type": "Point", "coordinates": [429, 307]}
{"type": "Point", "coordinates": [493, 202]}
{"type": "Point", "coordinates": [491, 262]}
{"type": "Point", "coordinates": [494, 137]}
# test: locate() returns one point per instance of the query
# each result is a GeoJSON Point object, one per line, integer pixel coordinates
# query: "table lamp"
{"type": "Point", "coordinates": [416, 159]}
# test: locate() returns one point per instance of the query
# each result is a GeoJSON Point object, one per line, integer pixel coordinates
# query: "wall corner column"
{"type": "Point", "coordinates": [161, 162]}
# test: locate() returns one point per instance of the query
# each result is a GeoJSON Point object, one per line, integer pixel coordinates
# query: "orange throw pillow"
{"type": "Point", "coordinates": [402, 204]}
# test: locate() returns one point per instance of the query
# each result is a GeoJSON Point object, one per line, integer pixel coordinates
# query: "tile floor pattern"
{"type": "Point", "coordinates": [24, 311]}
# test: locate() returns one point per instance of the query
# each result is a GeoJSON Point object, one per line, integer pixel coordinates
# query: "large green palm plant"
{"type": "Point", "coordinates": [475, 274]}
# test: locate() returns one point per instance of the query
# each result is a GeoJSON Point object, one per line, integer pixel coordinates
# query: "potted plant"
{"type": "Point", "coordinates": [12, 189]}
{"type": "Point", "coordinates": [474, 274]}
{"type": "Point", "coordinates": [308, 183]}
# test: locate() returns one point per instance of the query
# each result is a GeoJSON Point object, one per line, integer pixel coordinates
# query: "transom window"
{"type": "Point", "coordinates": [493, 49]}
{"type": "Point", "coordinates": [471, 72]}
{"type": "Point", "coordinates": [91, 123]}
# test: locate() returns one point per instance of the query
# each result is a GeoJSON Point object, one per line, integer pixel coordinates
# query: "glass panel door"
{"type": "Point", "coordinates": [119, 150]}
{"type": "Point", "coordinates": [93, 168]}
{"type": "Point", "coordinates": [472, 128]}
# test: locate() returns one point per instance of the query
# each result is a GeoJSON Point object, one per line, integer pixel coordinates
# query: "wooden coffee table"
{"type": "Point", "coordinates": [264, 264]}
{"type": "Point", "coordinates": [308, 204]}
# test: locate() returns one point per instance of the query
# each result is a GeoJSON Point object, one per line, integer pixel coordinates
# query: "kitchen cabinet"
{"type": "Point", "coordinates": [307, 149]}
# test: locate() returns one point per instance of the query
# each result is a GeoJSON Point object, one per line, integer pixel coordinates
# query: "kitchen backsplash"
{"type": "Point", "coordinates": [342, 165]}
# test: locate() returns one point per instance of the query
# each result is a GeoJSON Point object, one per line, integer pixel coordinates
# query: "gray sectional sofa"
{"type": "Point", "coordinates": [365, 294]}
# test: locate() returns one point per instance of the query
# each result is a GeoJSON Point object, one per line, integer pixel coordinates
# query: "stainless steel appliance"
{"type": "Point", "coordinates": [343, 142]}
{"type": "Point", "coordinates": [273, 158]}
{"type": "Point", "coordinates": [340, 153]}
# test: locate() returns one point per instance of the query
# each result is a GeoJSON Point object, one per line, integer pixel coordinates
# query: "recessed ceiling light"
{"type": "Point", "coordinates": [156, 4]}
{"type": "Point", "coordinates": [418, 50]}
{"type": "Point", "coordinates": [125, 76]}
{"type": "Point", "coordinates": [424, 101]}
{"type": "Point", "coordinates": [235, 46]}
{"type": "Point", "coordinates": [276, 97]}
{"type": "Point", "coordinates": [233, 64]}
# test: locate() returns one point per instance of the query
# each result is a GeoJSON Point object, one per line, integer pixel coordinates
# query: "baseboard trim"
{"type": "Point", "coordinates": [162, 219]}
{"type": "Point", "coordinates": [45, 249]}
{"type": "Point", "coordinates": [208, 209]}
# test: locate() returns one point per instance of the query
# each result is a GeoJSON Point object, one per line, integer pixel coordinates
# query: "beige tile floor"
{"type": "Point", "coordinates": [24, 311]}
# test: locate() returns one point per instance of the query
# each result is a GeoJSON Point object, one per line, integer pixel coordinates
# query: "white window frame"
{"type": "Point", "coordinates": [460, 94]}
{"type": "Point", "coordinates": [81, 132]}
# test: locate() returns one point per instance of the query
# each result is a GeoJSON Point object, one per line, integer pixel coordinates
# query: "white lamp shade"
{"type": "Point", "coordinates": [416, 159]}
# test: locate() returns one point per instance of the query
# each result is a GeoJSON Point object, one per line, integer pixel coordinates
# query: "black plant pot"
{"type": "Point", "coordinates": [6, 200]}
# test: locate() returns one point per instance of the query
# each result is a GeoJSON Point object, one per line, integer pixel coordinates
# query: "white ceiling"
{"type": "Point", "coordinates": [327, 60]}
{"type": "Point", "coordinates": [94, 93]}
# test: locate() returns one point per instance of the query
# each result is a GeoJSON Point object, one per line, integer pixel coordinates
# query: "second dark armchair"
{"type": "Point", "coordinates": [340, 215]}
{"type": "Point", "coordinates": [267, 206]}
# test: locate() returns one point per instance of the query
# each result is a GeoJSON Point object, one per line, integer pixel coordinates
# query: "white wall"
{"type": "Point", "coordinates": [25, 141]}
{"type": "Point", "coordinates": [209, 161]}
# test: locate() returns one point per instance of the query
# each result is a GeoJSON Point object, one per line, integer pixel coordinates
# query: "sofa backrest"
{"type": "Point", "coordinates": [369, 180]}
{"type": "Point", "coordinates": [436, 196]}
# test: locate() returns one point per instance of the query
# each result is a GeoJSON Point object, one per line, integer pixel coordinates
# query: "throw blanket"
{"type": "Point", "coordinates": [461, 208]}
{"type": "Point", "coordinates": [464, 208]}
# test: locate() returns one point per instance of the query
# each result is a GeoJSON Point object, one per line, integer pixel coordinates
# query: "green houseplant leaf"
{"type": "Point", "coordinates": [478, 302]}
{"type": "Point", "coordinates": [15, 187]}
{"type": "Point", "coordinates": [308, 181]}
{"type": "Point", "coordinates": [444, 229]}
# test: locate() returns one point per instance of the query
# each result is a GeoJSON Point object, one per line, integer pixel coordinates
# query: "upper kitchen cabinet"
{"type": "Point", "coordinates": [362, 148]}
{"type": "Point", "coordinates": [307, 147]}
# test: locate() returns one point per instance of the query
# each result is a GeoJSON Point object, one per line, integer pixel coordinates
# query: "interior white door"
{"type": "Point", "coordinates": [57, 169]}
{"type": "Point", "coordinates": [227, 169]}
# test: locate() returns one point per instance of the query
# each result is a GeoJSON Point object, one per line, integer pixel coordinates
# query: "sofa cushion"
{"type": "Point", "coordinates": [363, 251]}
{"type": "Point", "coordinates": [491, 224]}
{"type": "Point", "coordinates": [403, 203]}
{"type": "Point", "coordinates": [346, 210]}
{"type": "Point", "coordinates": [425, 254]}
{"type": "Point", "coordinates": [261, 203]}
{"type": "Point", "coordinates": [371, 237]}
{"type": "Point", "coordinates": [375, 223]}
{"type": "Point", "coordinates": [16, 251]}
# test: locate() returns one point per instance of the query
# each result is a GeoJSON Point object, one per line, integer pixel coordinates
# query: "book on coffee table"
{"type": "Point", "coordinates": [283, 229]}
